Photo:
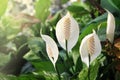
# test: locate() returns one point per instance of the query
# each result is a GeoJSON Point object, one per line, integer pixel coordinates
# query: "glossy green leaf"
{"type": "Point", "coordinates": [42, 66]}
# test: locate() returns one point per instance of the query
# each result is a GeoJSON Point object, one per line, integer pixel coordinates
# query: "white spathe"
{"type": "Point", "coordinates": [51, 48]}
{"type": "Point", "coordinates": [67, 27]}
{"type": "Point", "coordinates": [73, 1]}
{"type": "Point", "coordinates": [110, 27]}
{"type": "Point", "coordinates": [90, 45]}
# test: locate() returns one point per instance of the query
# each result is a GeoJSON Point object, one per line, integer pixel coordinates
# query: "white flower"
{"type": "Point", "coordinates": [67, 29]}
{"type": "Point", "coordinates": [90, 46]}
{"type": "Point", "coordinates": [73, 1]}
{"type": "Point", "coordinates": [110, 27]}
{"type": "Point", "coordinates": [51, 48]}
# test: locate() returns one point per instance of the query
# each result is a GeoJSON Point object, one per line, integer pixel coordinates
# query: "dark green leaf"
{"type": "Point", "coordinates": [116, 3]}
{"type": "Point", "coordinates": [111, 5]}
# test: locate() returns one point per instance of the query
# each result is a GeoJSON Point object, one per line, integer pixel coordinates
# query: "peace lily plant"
{"type": "Point", "coordinates": [67, 33]}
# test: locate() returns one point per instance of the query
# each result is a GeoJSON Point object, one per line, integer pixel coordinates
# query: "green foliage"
{"type": "Point", "coordinates": [41, 8]}
{"type": "Point", "coordinates": [4, 59]}
{"type": "Point", "coordinates": [111, 5]}
{"type": "Point", "coordinates": [116, 3]}
{"type": "Point", "coordinates": [13, 35]}
{"type": "Point", "coordinates": [3, 6]}
{"type": "Point", "coordinates": [93, 72]}
{"type": "Point", "coordinates": [37, 46]}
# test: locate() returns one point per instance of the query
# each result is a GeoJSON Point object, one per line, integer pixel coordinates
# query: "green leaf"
{"type": "Point", "coordinates": [43, 66]}
{"type": "Point", "coordinates": [46, 69]}
{"type": "Point", "coordinates": [77, 8]}
{"type": "Point", "coordinates": [41, 8]}
{"type": "Point", "coordinates": [37, 45]}
{"type": "Point", "coordinates": [102, 31]}
{"type": "Point", "coordinates": [117, 28]}
{"type": "Point", "coordinates": [93, 72]}
{"type": "Point", "coordinates": [111, 5]}
{"type": "Point", "coordinates": [28, 77]}
{"type": "Point", "coordinates": [98, 19]}
{"type": "Point", "coordinates": [116, 3]}
{"type": "Point", "coordinates": [31, 56]}
{"type": "Point", "coordinates": [3, 6]}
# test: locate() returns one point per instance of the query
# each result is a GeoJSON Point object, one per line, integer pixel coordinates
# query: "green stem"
{"type": "Point", "coordinates": [66, 43]}
{"type": "Point", "coordinates": [56, 68]}
{"type": "Point", "coordinates": [89, 68]}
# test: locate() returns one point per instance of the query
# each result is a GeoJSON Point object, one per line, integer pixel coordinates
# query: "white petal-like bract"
{"type": "Point", "coordinates": [67, 29]}
{"type": "Point", "coordinates": [90, 46]}
{"type": "Point", "coordinates": [51, 48]}
{"type": "Point", "coordinates": [110, 27]}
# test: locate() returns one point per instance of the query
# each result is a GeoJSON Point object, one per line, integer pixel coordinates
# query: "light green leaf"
{"type": "Point", "coordinates": [31, 56]}
{"type": "Point", "coordinates": [42, 9]}
{"type": "Point", "coordinates": [3, 6]}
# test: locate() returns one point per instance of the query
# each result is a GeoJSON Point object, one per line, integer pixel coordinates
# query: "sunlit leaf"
{"type": "Point", "coordinates": [41, 8]}
{"type": "Point", "coordinates": [3, 6]}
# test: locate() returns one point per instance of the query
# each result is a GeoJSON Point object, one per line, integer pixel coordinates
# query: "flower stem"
{"type": "Point", "coordinates": [89, 68]}
{"type": "Point", "coordinates": [56, 69]}
{"type": "Point", "coordinates": [68, 55]}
